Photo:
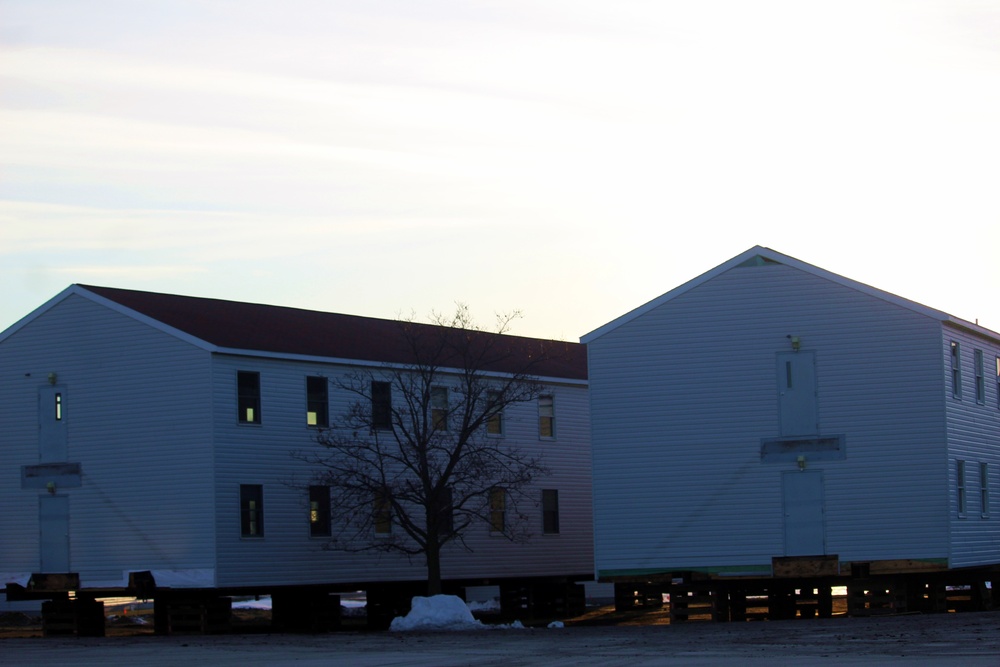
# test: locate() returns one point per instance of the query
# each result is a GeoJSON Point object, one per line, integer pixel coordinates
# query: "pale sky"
{"type": "Point", "coordinates": [571, 159]}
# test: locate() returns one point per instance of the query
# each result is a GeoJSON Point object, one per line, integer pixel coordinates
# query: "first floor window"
{"type": "Point", "coordinates": [498, 510]}
{"type": "Point", "coordinates": [960, 486]}
{"type": "Point", "coordinates": [546, 417]}
{"type": "Point", "coordinates": [446, 511]}
{"type": "Point", "coordinates": [550, 511]}
{"type": "Point", "coordinates": [319, 511]}
{"type": "Point", "coordinates": [248, 397]}
{"type": "Point", "coordinates": [317, 402]}
{"type": "Point", "coordinates": [382, 518]}
{"type": "Point", "coordinates": [984, 489]}
{"type": "Point", "coordinates": [251, 510]}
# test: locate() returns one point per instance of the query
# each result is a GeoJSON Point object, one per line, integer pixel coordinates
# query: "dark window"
{"type": "Point", "coordinates": [382, 517]}
{"type": "Point", "coordinates": [956, 370]}
{"type": "Point", "coordinates": [960, 486]}
{"type": "Point", "coordinates": [251, 510]}
{"type": "Point", "coordinates": [550, 511]}
{"type": "Point", "coordinates": [446, 512]}
{"type": "Point", "coordinates": [248, 396]}
{"type": "Point", "coordinates": [984, 489]}
{"type": "Point", "coordinates": [546, 417]}
{"type": "Point", "coordinates": [980, 377]}
{"type": "Point", "coordinates": [998, 382]}
{"type": "Point", "coordinates": [317, 402]}
{"type": "Point", "coordinates": [382, 406]}
{"type": "Point", "coordinates": [319, 511]}
{"type": "Point", "coordinates": [439, 408]}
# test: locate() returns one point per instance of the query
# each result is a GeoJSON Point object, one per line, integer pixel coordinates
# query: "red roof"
{"type": "Point", "coordinates": [280, 330]}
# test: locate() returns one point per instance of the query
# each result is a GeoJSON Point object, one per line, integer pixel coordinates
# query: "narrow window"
{"type": "Point", "coordinates": [319, 511]}
{"type": "Point", "coordinates": [251, 510]}
{"type": "Point", "coordinates": [956, 370]}
{"type": "Point", "coordinates": [546, 417]}
{"type": "Point", "coordinates": [439, 408]}
{"type": "Point", "coordinates": [446, 512]}
{"type": "Point", "coordinates": [498, 510]}
{"type": "Point", "coordinates": [980, 377]}
{"type": "Point", "coordinates": [381, 406]}
{"type": "Point", "coordinates": [998, 382]}
{"type": "Point", "coordinates": [494, 422]}
{"type": "Point", "coordinates": [550, 511]}
{"type": "Point", "coordinates": [960, 484]}
{"type": "Point", "coordinates": [984, 489]}
{"type": "Point", "coordinates": [58, 406]}
{"type": "Point", "coordinates": [382, 517]}
{"type": "Point", "coordinates": [317, 402]}
{"type": "Point", "coordinates": [248, 396]}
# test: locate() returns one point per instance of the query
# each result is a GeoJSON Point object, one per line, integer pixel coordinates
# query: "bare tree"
{"type": "Point", "coordinates": [413, 463]}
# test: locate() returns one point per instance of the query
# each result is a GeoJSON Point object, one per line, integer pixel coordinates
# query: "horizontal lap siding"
{"type": "Point", "coordinates": [251, 454]}
{"type": "Point", "coordinates": [973, 436]}
{"type": "Point", "coordinates": [137, 415]}
{"type": "Point", "coordinates": [682, 395]}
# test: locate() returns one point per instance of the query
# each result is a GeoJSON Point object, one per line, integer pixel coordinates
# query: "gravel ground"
{"type": "Point", "coordinates": [967, 639]}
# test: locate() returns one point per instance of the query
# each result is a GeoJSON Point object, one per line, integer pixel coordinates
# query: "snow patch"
{"type": "Point", "coordinates": [438, 612]}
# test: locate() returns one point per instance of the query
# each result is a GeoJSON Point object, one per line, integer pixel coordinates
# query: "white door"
{"type": "Point", "coordinates": [802, 497]}
{"type": "Point", "coordinates": [53, 524]}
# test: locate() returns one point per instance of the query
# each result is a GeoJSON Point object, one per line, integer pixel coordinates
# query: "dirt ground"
{"type": "Point", "coordinates": [602, 637]}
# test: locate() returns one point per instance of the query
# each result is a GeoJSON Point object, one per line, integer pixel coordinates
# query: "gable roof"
{"type": "Point", "coordinates": [261, 330]}
{"type": "Point", "coordinates": [761, 255]}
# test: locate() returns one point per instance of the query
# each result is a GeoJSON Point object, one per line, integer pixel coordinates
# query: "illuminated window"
{"type": "Point", "coordinates": [546, 417]}
{"type": "Point", "coordinates": [58, 406]}
{"type": "Point", "coordinates": [381, 406]}
{"type": "Point", "coordinates": [494, 423]}
{"type": "Point", "coordinates": [317, 402]}
{"type": "Point", "coordinates": [319, 511]}
{"type": "Point", "coordinates": [550, 511]}
{"type": "Point", "coordinates": [439, 408]}
{"type": "Point", "coordinates": [251, 510]}
{"type": "Point", "coordinates": [956, 370]}
{"type": "Point", "coordinates": [248, 396]}
{"type": "Point", "coordinates": [498, 510]}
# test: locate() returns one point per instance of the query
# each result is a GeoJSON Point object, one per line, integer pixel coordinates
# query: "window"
{"type": "Point", "coordinates": [381, 406]}
{"type": "Point", "coordinates": [317, 402]}
{"type": "Point", "coordinates": [248, 396]}
{"type": "Point", "coordinates": [550, 511]}
{"type": "Point", "coordinates": [956, 370]}
{"type": "Point", "coordinates": [494, 422]}
{"type": "Point", "coordinates": [319, 511]}
{"type": "Point", "coordinates": [382, 518]}
{"type": "Point", "coordinates": [984, 489]}
{"type": "Point", "coordinates": [446, 512]}
{"type": "Point", "coordinates": [439, 408]}
{"type": "Point", "coordinates": [980, 377]}
{"type": "Point", "coordinates": [960, 484]}
{"type": "Point", "coordinates": [58, 406]}
{"type": "Point", "coordinates": [498, 510]}
{"type": "Point", "coordinates": [998, 382]}
{"type": "Point", "coordinates": [251, 510]}
{"type": "Point", "coordinates": [546, 417]}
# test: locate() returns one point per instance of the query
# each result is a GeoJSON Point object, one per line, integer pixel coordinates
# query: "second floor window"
{"type": "Point", "coordinates": [980, 377]}
{"type": "Point", "coordinates": [317, 402]}
{"type": "Point", "coordinates": [956, 369]}
{"type": "Point", "coordinates": [494, 423]}
{"type": "Point", "coordinates": [248, 397]}
{"type": "Point", "coordinates": [381, 406]}
{"type": "Point", "coordinates": [546, 417]}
